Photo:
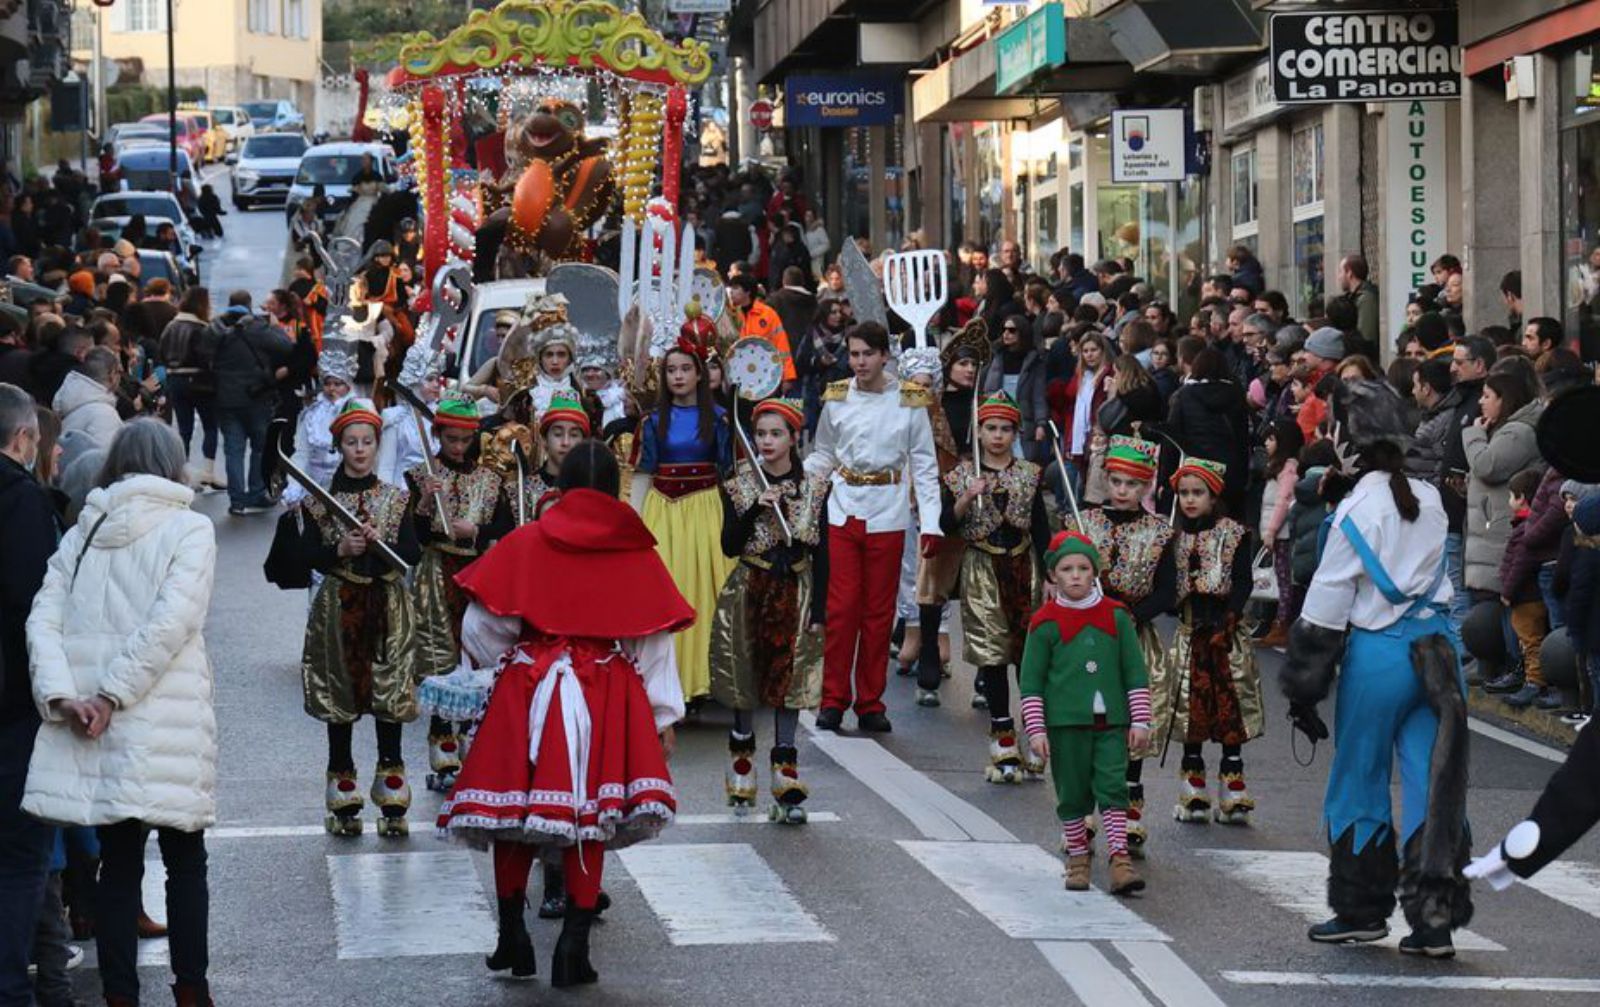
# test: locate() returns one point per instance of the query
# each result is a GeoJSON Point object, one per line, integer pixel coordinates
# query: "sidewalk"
{"type": "Point", "coordinates": [1538, 724]}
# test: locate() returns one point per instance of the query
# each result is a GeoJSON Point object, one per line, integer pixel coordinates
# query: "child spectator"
{"type": "Point", "coordinates": [1547, 519]}
{"type": "Point", "coordinates": [1580, 577]}
{"type": "Point", "coordinates": [1283, 444]}
{"type": "Point", "coordinates": [1307, 517]}
{"type": "Point", "coordinates": [1519, 593]}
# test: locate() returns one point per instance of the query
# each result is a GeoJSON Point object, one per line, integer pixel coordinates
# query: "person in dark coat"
{"type": "Point", "coordinates": [822, 357]}
{"type": "Point", "coordinates": [1208, 418]}
{"type": "Point", "coordinates": [1018, 369]}
{"type": "Point", "coordinates": [27, 538]}
{"type": "Point", "coordinates": [996, 299]}
{"type": "Point", "coordinates": [794, 302]}
{"type": "Point", "coordinates": [211, 212]}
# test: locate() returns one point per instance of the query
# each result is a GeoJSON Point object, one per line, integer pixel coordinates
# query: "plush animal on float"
{"type": "Point", "coordinates": [559, 184]}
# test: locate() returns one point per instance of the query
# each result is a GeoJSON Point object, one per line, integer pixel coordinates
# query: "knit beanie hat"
{"type": "Point", "coordinates": [1071, 543]}
{"type": "Point", "coordinates": [81, 282]}
{"type": "Point", "coordinates": [790, 411]}
{"type": "Point", "coordinates": [564, 406]}
{"type": "Point", "coordinates": [1132, 457]}
{"type": "Point", "coordinates": [1579, 491]}
{"type": "Point", "coordinates": [1327, 343]}
{"type": "Point", "coordinates": [356, 411]}
{"type": "Point", "coordinates": [457, 414]}
{"type": "Point", "coordinates": [1209, 472]}
{"type": "Point", "coordinates": [1000, 406]}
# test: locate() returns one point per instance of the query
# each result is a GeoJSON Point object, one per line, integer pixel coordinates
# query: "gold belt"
{"type": "Point", "coordinates": [882, 477]}
{"type": "Point", "coordinates": [453, 549]}
{"type": "Point", "coordinates": [994, 550]}
{"type": "Point", "coordinates": [760, 564]}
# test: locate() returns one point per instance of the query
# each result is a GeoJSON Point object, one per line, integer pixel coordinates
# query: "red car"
{"type": "Point", "coordinates": [191, 135]}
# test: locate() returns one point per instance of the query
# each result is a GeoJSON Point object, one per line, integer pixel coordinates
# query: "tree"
{"type": "Point", "coordinates": [364, 20]}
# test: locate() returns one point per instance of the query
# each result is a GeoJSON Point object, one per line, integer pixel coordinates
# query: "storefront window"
{"type": "Point", "coordinates": [1244, 193]}
{"type": "Point", "coordinates": [1075, 212]}
{"type": "Point", "coordinates": [955, 173]}
{"type": "Point", "coordinates": [1045, 210]}
{"type": "Point", "coordinates": [1580, 231]}
{"type": "Point", "coordinates": [991, 187]}
{"type": "Point", "coordinates": [1191, 244]}
{"type": "Point", "coordinates": [1307, 164]}
{"type": "Point", "coordinates": [1134, 224]}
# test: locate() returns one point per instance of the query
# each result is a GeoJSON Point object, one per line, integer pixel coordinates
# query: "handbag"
{"type": "Point", "coordinates": [1113, 416]}
{"type": "Point", "coordinates": [1263, 576]}
{"type": "Point", "coordinates": [286, 565]}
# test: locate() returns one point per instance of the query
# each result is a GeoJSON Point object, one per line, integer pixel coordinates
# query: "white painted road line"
{"type": "Point", "coordinates": [1497, 984]}
{"type": "Point", "coordinates": [1516, 741]}
{"type": "Point", "coordinates": [1576, 885]}
{"type": "Point", "coordinates": [1018, 887]}
{"type": "Point", "coordinates": [229, 832]}
{"type": "Point", "coordinates": [936, 813]}
{"type": "Point", "coordinates": [719, 893]}
{"type": "Point", "coordinates": [1298, 882]}
{"type": "Point", "coordinates": [1166, 975]}
{"type": "Point", "coordinates": [390, 905]}
{"type": "Point", "coordinates": [754, 818]}
{"type": "Point", "coordinates": [1094, 980]}
{"type": "Point", "coordinates": [264, 831]}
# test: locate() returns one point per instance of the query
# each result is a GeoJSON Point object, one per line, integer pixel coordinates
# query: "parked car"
{"type": "Point", "coordinates": [216, 138]}
{"type": "Point", "coordinates": [477, 344]}
{"type": "Point", "coordinates": [191, 135]}
{"type": "Point", "coordinates": [235, 122]}
{"type": "Point", "coordinates": [332, 166]}
{"type": "Point", "coordinates": [265, 168]}
{"type": "Point", "coordinates": [275, 116]}
{"type": "Point", "coordinates": [154, 262]}
{"type": "Point", "coordinates": [111, 212]}
{"type": "Point", "coordinates": [145, 168]}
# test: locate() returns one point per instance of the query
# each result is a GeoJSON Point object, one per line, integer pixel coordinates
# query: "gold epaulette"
{"type": "Point", "coordinates": [836, 391]}
{"type": "Point", "coordinates": [915, 396]}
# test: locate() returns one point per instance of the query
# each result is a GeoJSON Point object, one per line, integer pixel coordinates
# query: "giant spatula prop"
{"type": "Point", "coordinates": [916, 286]}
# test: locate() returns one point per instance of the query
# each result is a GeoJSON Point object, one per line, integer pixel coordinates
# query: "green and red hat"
{"type": "Point", "coordinates": [1071, 543]}
{"type": "Point", "coordinates": [1133, 457]}
{"type": "Point", "coordinates": [790, 411]}
{"type": "Point", "coordinates": [564, 407]}
{"type": "Point", "coordinates": [1209, 472]}
{"type": "Point", "coordinates": [1000, 406]}
{"type": "Point", "coordinates": [456, 414]}
{"type": "Point", "coordinates": [354, 412]}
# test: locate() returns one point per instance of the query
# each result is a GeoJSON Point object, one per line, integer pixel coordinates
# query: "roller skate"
{"type": "Point", "coordinates": [1005, 762]}
{"type": "Point", "coordinates": [739, 782]}
{"type": "Point", "coordinates": [444, 761]}
{"type": "Point", "coordinates": [1234, 802]}
{"type": "Point", "coordinates": [1194, 803]}
{"type": "Point", "coordinates": [344, 804]}
{"type": "Point", "coordinates": [391, 793]}
{"type": "Point", "coordinates": [1136, 833]}
{"type": "Point", "coordinates": [788, 793]}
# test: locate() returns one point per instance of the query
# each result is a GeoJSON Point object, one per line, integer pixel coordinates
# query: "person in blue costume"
{"type": "Point", "coordinates": [1377, 609]}
{"type": "Point", "coordinates": [682, 452]}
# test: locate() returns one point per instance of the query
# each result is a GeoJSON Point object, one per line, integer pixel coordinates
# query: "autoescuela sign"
{"type": "Point", "coordinates": [1411, 55]}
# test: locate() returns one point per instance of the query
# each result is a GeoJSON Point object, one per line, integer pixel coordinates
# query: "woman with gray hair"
{"type": "Point", "coordinates": [122, 681]}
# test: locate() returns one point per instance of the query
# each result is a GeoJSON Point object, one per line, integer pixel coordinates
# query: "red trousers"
{"type": "Point", "coordinates": [513, 861]}
{"type": "Point", "coordinates": [863, 578]}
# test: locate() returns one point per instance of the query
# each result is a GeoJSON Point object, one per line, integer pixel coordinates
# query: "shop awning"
{"type": "Point", "coordinates": [1183, 36]}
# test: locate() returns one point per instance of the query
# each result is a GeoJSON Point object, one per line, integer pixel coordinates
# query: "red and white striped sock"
{"type": "Point", "coordinates": [1115, 822]}
{"type": "Point", "coordinates": [1075, 837]}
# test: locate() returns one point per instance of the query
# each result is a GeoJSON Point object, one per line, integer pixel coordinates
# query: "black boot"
{"type": "Point", "coordinates": [515, 950]}
{"type": "Point", "coordinates": [569, 966]}
{"type": "Point", "coordinates": [554, 905]}
{"type": "Point", "coordinates": [929, 668]}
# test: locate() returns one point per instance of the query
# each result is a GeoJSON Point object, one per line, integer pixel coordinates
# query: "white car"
{"type": "Point", "coordinates": [478, 345]}
{"type": "Point", "coordinates": [265, 167]}
{"type": "Point", "coordinates": [110, 215]}
{"type": "Point", "coordinates": [237, 124]}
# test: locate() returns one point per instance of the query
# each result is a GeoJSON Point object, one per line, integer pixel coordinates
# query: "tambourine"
{"type": "Point", "coordinates": [755, 367]}
{"type": "Point", "coordinates": [708, 287]}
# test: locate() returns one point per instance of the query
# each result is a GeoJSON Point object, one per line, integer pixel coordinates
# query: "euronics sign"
{"type": "Point", "coordinates": [842, 101]}
{"type": "Point", "coordinates": [1365, 56]}
{"type": "Point", "coordinates": [1037, 42]}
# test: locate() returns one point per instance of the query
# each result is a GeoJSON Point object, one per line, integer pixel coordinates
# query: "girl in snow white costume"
{"type": "Point", "coordinates": [571, 751]}
{"type": "Point", "coordinates": [1377, 608]}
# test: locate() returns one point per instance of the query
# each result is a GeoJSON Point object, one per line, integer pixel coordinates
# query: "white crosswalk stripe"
{"type": "Point", "coordinates": [1573, 884]}
{"type": "Point", "coordinates": [1093, 978]}
{"type": "Point", "coordinates": [1298, 881]}
{"type": "Point", "coordinates": [389, 905]}
{"type": "Point", "coordinates": [719, 893]}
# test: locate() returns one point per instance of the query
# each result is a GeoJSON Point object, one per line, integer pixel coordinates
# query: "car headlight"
{"type": "Point", "coordinates": [246, 177]}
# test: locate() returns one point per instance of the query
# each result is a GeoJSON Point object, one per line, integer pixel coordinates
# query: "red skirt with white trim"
{"type": "Point", "coordinates": [615, 789]}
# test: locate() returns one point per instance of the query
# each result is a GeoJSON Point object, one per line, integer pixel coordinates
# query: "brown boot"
{"type": "Point", "coordinates": [191, 996]}
{"type": "Point", "coordinates": [1078, 872]}
{"type": "Point", "coordinates": [1124, 879]}
{"type": "Point", "coordinates": [149, 928]}
{"type": "Point", "coordinates": [1277, 636]}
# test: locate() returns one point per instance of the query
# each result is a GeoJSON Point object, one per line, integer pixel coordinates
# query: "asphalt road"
{"type": "Point", "coordinates": [916, 882]}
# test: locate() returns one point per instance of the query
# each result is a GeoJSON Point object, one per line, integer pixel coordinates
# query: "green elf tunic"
{"type": "Point", "coordinates": [1083, 685]}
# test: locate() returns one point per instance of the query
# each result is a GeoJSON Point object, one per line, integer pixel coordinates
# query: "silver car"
{"type": "Point", "coordinates": [265, 167]}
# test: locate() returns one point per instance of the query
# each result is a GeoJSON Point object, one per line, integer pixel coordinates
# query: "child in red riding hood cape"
{"type": "Point", "coordinates": [571, 751]}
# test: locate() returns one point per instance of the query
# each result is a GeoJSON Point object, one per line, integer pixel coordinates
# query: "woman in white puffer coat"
{"type": "Point", "coordinates": [121, 678]}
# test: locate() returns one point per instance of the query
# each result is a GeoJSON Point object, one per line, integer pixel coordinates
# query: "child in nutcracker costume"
{"type": "Point", "coordinates": [682, 449]}
{"type": "Point", "coordinates": [1139, 570]}
{"type": "Point", "coordinates": [874, 433]}
{"type": "Point", "coordinates": [1085, 704]}
{"type": "Point", "coordinates": [1213, 688]}
{"type": "Point", "coordinates": [995, 505]}
{"type": "Point", "coordinates": [563, 426]}
{"type": "Point", "coordinates": [405, 443]}
{"type": "Point", "coordinates": [570, 754]}
{"type": "Point", "coordinates": [470, 494]}
{"type": "Point", "coordinates": [766, 637]}
{"type": "Point", "coordinates": [360, 648]}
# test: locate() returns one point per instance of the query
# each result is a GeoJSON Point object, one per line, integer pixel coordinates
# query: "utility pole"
{"type": "Point", "coordinates": [97, 80]}
{"type": "Point", "coordinates": [172, 104]}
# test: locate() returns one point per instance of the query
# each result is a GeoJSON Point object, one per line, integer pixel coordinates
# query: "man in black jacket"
{"type": "Point", "coordinates": [249, 357]}
{"type": "Point", "coordinates": [1469, 366]}
{"type": "Point", "coordinates": [27, 540]}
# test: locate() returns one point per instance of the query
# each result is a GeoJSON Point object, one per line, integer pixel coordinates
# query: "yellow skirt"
{"type": "Point", "coordinates": [688, 534]}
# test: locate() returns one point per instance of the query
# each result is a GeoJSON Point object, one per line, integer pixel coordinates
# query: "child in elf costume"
{"type": "Point", "coordinates": [561, 427]}
{"type": "Point", "coordinates": [766, 635]}
{"type": "Point", "coordinates": [1085, 703]}
{"type": "Point", "coordinates": [450, 541]}
{"type": "Point", "coordinates": [995, 506]}
{"type": "Point", "coordinates": [1140, 572]}
{"type": "Point", "coordinates": [1213, 688]}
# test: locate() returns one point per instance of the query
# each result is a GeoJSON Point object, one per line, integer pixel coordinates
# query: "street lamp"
{"type": "Point", "coordinates": [172, 106]}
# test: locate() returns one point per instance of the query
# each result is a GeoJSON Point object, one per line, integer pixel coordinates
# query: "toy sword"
{"type": "Point", "coordinates": [328, 500]}
{"type": "Point", "coordinates": [423, 416]}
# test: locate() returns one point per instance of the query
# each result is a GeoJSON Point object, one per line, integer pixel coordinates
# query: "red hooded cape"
{"type": "Point", "coordinates": [587, 567]}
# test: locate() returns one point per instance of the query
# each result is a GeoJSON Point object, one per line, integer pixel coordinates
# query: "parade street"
{"type": "Point", "coordinates": [915, 882]}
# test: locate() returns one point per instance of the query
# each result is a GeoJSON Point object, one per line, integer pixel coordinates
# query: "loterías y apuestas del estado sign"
{"type": "Point", "coordinates": [1405, 55]}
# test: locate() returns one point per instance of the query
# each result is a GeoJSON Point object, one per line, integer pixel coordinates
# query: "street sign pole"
{"type": "Point", "coordinates": [172, 105]}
